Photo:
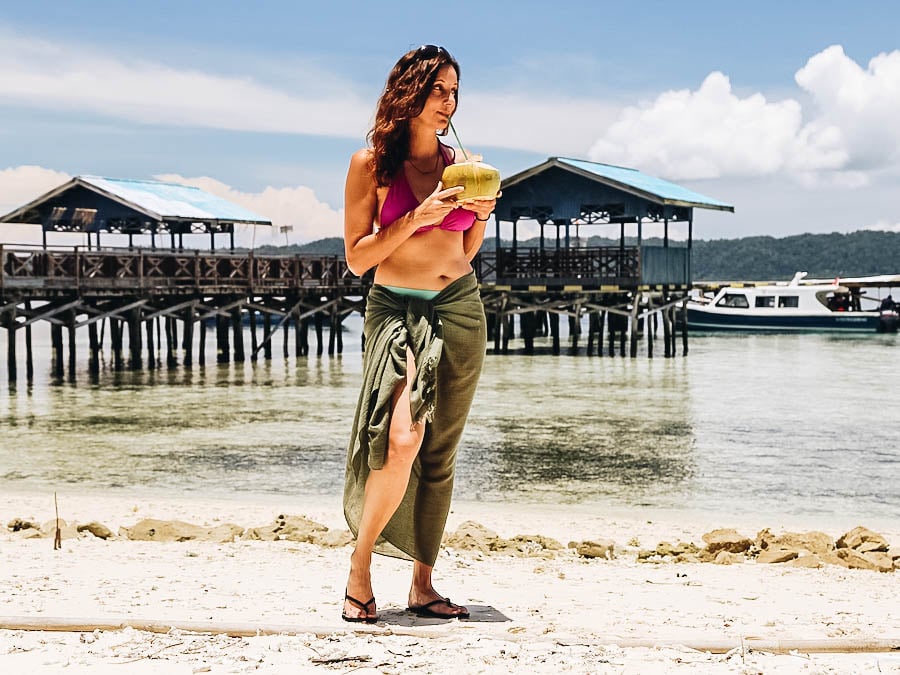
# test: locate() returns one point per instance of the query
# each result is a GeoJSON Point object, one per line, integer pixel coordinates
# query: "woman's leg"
{"type": "Point", "coordinates": [385, 488]}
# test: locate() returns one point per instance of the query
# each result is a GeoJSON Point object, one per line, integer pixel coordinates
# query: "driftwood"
{"type": "Point", "coordinates": [699, 642]}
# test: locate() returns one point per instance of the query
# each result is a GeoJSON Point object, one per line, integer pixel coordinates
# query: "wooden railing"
{"type": "Point", "coordinates": [591, 266]}
{"type": "Point", "coordinates": [147, 270]}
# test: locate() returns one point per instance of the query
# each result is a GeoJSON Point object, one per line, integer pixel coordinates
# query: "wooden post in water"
{"type": "Point", "coordinates": [335, 333]}
{"type": "Point", "coordinates": [667, 333]}
{"type": "Point", "coordinates": [135, 343]}
{"type": "Point", "coordinates": [574, 330]}
{"type": "Point", "coordinates": [285, 333]}
{"type": "Point", "coordinates": [115, 341]}
{"type": "Point", "coordinates": [600, 321]}
{"type": "Point", "coordinates": [592, 332]}
{"type": "Point", "coordinates": [651, 321]}
{"type": "Point", "coordinates": [319, 319]}
{"type": "Point", "coordinates": [172, 354]}
{"type": "Point", "coordinates": [674, 333]}
{"type": "Point", "coordinates": [267, 336]}
{"type": "Point", "coordinates": [528, 321]}
{"type": "Point", "coordinates": [237, 329]}
{"type": "Point", "coordinates": [254, 342]}
{"type": "Point", "coordinates": [223, 347]}
{"type": "Point", "coordinates": [554, 332]}
{"type": "Point", "coordinates": [11, 325]}
{"type": "Point", "coordinates": [201, 357]}
{"type": "Point", "coordinates": [56, 347]}
{"type": "Point", "coordinates": [304, 337]}
{"type": "Point", "coordinates": [507, 331]}
{"type": "Point", "coordinates": [151, 349]}
{"type": "Point", "coordinates": [29, 354]}
{"type": "Point", "coordinates": [188, 341]}
{"type": "Point", "coordinates": [70, 330]}
{"type": "Point", "coordinates": [633, 324]}
{"type": "Point", "coordinates": [298, 348]}
{"type": "Point", "coordinates": [684, 329]}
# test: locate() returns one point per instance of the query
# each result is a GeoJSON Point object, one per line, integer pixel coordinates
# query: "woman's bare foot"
{"type": "Point", "coordinates": [428, 602]}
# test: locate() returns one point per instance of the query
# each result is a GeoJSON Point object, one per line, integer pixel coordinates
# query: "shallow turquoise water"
{"type": "Point", "coordinates": [792, 424]}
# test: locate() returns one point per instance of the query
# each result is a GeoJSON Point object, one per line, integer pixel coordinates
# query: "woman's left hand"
{"type": "Point", "coordinates": [483, 208]}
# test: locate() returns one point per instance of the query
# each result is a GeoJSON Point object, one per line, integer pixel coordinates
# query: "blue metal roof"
{"type": "Point", "coordinates": [631, 181]}
{"type": "Point", "coordinates": [663, 189]}
{"type": "Point", "coordinates": [171, 200]}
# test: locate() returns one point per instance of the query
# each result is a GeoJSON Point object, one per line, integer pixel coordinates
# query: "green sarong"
{"type": "Point", "coordinates": [447, 337]}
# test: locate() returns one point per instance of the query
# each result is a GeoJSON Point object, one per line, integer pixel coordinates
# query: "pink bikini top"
{"type": "Point", "coordinates": [400, 200]}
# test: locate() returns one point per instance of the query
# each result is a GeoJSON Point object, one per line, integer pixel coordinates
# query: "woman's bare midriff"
{"type": "Point", "coordinates": [429, 261]}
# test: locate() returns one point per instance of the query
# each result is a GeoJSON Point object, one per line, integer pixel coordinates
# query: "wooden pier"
{"type": "Point", "coordinates": [141, 301]}
{"type": "Point", "coordinates": [152, 308]}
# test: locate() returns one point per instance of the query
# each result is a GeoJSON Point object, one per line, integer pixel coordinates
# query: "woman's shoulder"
{"type": "Point", "coordinates": [362, 159]}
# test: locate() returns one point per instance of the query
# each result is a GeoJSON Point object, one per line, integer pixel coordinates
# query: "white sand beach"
{"type": "Point", "coordinates": [534, 609]}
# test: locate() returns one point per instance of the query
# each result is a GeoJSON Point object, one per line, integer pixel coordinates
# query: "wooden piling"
{"type": "Point", "coordinates": [70, 331]}
{"type": "Point", "coordinates": [237, 331]}
{"type": "Point", "coordinates": [151, 349]}
{"type": "Point", "coordinates": [188, 341]}
{"type": "Point", "coordinates": [29, 354]}
{"type": "Point", "coordinates": [254, 342]}
{"type": "Point", "coordinates": [115, 341]}
{"type": "Point", "coordinates": [93, 349]}
{"type": "Point", "coordinates": [319, 320]}
{"type": "Point", "coordinates": [303, 341]}
{"type": "Point", "coordinates": [11, 326]}
{"type": "Point", "coordinates": [267, 336]}
{"type": "Point", "coordinates": [554, 332]}
{"type": "Point", "coordinates": [667, 333]}
{"type": "Point", "coordinates": [223, 348]}
{"type": "Point", "coordinates": [201, 347]}
{"type": "Point", "coordinates": [135, 343]}
{"type": "Point", "coordinates": [684, 330]}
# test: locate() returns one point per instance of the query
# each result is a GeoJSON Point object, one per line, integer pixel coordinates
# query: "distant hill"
{"type": "Point", "coordinates": [821, 255]}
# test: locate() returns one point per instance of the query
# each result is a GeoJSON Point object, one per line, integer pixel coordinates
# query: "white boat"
{"type": "Point", "coordinates": [793, 306]}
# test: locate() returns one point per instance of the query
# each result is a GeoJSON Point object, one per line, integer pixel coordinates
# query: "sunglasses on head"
{"type": "Point", "coordinates": [430, 51]}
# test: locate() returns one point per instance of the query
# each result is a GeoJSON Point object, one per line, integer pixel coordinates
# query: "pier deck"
{"type": "Point", "coordinates": [135, 289]}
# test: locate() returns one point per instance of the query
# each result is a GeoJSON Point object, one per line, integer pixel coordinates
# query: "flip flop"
{"type": "Point", "coordinates": [426, 610]}
{"type": "Point", "coordinates": [362, 605]}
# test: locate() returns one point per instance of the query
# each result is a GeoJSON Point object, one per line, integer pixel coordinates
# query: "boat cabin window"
{"type": "Point", "coordinates": [733, 300]}
{"type": "Point", "coordinates": [789, 301]}
{"type": "Point", "coordinates": [765, 300]}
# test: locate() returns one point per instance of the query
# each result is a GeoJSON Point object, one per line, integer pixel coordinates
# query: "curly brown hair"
{"type": "Point", "coordinates": [405, 93]}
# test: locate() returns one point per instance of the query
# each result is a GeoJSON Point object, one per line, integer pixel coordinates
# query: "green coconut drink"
{"type": "Point", "coordinates": [478, 180]}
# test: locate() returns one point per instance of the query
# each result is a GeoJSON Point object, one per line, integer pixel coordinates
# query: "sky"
{"type": "Point", "coordinates": [788, 111]}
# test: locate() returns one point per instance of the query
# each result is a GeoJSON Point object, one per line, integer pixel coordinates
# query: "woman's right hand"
{"type": "Point", "coordinates": [435, 207]}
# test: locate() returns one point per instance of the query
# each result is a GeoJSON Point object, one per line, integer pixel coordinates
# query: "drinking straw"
{"type": "Point", "coordinates": [459, 142]}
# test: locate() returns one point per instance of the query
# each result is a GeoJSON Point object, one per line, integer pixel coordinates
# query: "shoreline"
{"type": "Point", "coordinates": [582, 519]}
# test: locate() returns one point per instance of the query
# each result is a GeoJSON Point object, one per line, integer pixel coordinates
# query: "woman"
{"type": "Point", "coordinates": [424, 330]}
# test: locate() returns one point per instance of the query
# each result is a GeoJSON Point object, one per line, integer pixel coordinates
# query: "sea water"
{"type": "Point", "coordinates": [790, 424]}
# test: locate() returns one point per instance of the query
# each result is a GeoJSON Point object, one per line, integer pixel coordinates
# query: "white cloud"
{"type": "Point", "coordinates": [862, 103]}
{"type": "Point", "coordinates": [884, 226]}
{"type": "Point", "coordinates": [72, 77]}
{"type": "Point", "coordinates": [712, 132]}
{"type": "Point", "coordinates": [20, 185]}
{"type": "Point", "coordinates": [298, 207]}
{"type": "Point", "coordinates": [848, 132]}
